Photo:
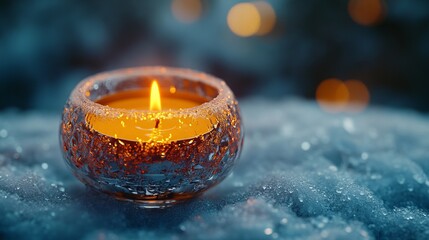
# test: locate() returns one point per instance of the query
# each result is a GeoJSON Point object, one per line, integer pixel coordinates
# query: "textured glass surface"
{"type": "Point", "coordinates": [154, 172]}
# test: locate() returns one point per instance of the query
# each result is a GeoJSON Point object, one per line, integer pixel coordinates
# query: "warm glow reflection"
{"type": "Point", "coordinates": [244, 19]}
{"type": "Point", "coordinates": [366, 12]}
{"type": "Point", "coordinates": [332, 95]}
{"type": "Point", "coordinates": [155, 98]}
{"type": "Point", "coordinates": [186, 11]}
{"type": "Point", "coordinates": [249, 19]}
{"type": "Point", "coordinates": [358, 96]}
{"type": "Point", "coordinates": [268, 17]}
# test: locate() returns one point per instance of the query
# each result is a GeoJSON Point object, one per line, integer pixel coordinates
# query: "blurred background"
{"type": "Point", "coordinates": [340, 52]}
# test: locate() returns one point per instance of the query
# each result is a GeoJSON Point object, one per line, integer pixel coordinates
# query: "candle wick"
{"type": "Point", "coordinates": [156, 123]}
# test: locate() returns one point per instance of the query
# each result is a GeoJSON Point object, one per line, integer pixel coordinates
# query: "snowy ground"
{"type": "Point", "coordinates": [303, 174]}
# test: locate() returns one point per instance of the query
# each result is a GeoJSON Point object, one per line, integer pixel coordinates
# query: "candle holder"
{"type": "Point", "coordinates": [156, 158]}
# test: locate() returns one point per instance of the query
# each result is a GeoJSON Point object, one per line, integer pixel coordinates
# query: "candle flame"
{"type": "Point", "coordinates": [155, 98]}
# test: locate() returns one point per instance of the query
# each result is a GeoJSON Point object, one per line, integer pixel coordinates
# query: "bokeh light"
{"type": "Point", "coordinates": [249, 19]}
{"type": "Point", "coordinates": [186, 11]}
{"type": "Point", "coordinates": [358, 95]}
{"type": "Point", "coordinates": [366, 12]}
{"type": "Point", "coordinates": [244, 19]}
{"type": "Point", "coordinates": [267, 16]}
{"type": "Point", "coordinates": [332, 95]}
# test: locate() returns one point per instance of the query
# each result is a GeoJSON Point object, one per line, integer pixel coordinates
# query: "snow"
{"type": "Point", "coordinates": [303, 174]}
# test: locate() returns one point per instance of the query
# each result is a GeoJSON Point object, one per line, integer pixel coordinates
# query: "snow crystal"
{"type": "Point", "coordinates": [303, 174]}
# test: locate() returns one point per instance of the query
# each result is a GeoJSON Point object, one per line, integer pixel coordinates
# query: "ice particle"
{"type": "Point", "coordinates": [268, 231]}
{"type": "Point", "coordinates": [45, 166]}
{"type": "Point", "coordinates": [3, 133]}
{"type": "Point", "coordinates": [305, 146]}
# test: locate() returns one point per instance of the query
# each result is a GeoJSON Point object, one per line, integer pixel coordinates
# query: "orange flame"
{"type": "Point", "coordinates": [155, 97]}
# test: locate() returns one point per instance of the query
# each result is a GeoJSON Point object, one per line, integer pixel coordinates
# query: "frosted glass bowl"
{"type": "Point", "coordinates": [153, 173]}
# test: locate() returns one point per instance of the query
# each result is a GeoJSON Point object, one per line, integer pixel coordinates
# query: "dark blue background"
{"type": "Point", "coordinates": [47, 46]}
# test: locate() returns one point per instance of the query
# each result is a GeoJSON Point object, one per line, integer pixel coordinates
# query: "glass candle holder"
{"type": "Point", "coordinates": [114, 143]}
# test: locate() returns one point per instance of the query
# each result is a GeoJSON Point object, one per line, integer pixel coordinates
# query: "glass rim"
{"type": "Point", "coordinates": [79, 94]}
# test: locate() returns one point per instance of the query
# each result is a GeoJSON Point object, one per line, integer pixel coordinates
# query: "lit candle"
{"type": "Point", "coordinates": [153, 135]}
{"type": "Point", "coordinates": [153, 128]}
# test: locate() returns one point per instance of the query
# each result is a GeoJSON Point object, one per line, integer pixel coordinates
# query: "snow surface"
{"type": "Point", "coordinates": [303, 174]}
